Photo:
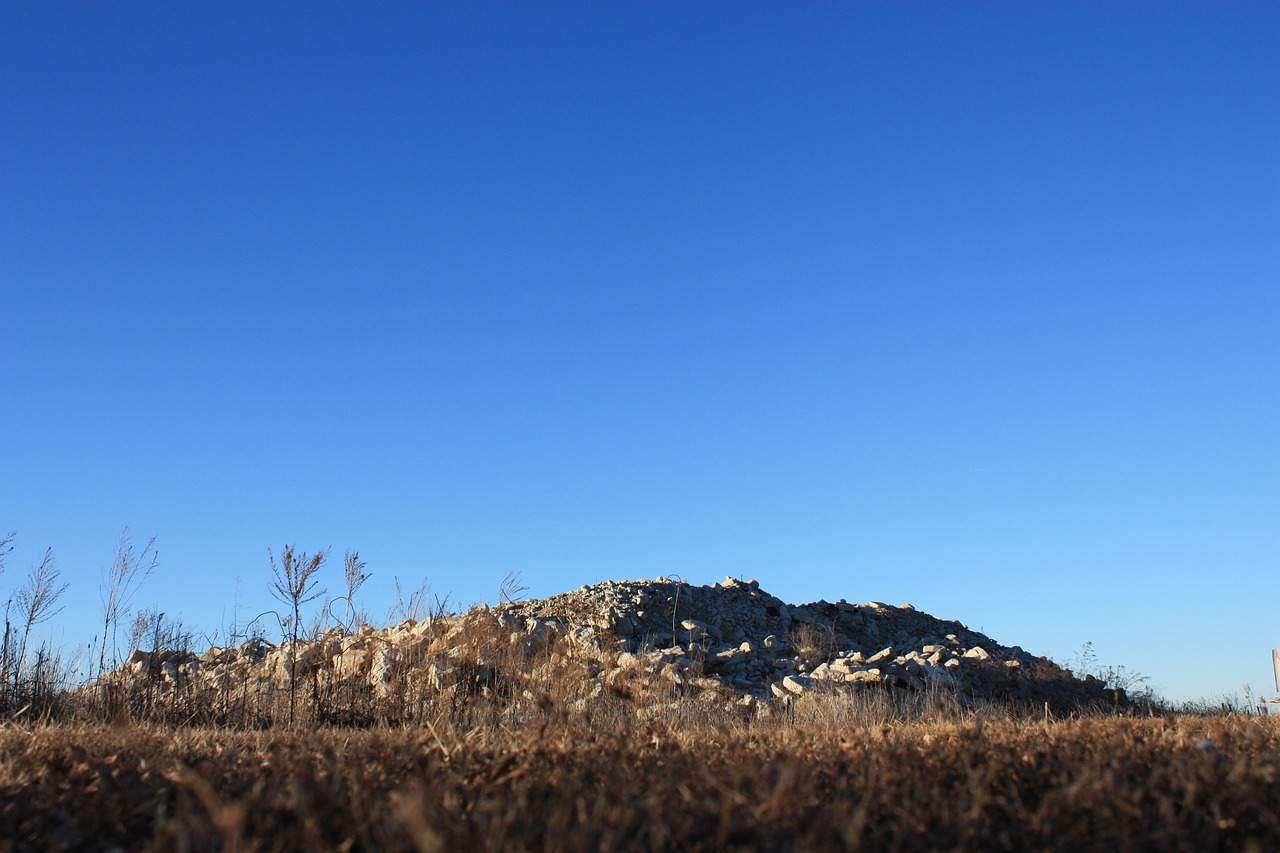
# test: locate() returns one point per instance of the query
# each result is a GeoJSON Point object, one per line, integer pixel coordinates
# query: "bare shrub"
{"type": "Point", "coordinates": [355, 575]}
{"type": "Point", "coordinates": [814, 642]}
{"type": "Point", "coordinates": [37, 601]}
{"type": "Point", "coordinates": [421, 604]}
{"type": "Point", "coordinates": [1134, 684]}
{"type": "Point", "coordinates": [127, 574]}
{"type": "Point", "coordinates": [28, 680]}
{"type": "Point", "coordinates": [294, 584]}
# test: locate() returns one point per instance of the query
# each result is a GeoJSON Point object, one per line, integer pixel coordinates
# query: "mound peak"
{"type": "Point", "coordinates": [759, 644]}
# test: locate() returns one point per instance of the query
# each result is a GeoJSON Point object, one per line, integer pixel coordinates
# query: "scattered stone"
{"type": "Point", "coordinates": [797, 684]}
{"type": "Point", "coordinates": [882, 655]}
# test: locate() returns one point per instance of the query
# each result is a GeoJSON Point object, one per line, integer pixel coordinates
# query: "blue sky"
{"type": "Point", "coordinates": [972, 306]}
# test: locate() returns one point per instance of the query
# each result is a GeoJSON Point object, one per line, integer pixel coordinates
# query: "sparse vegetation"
{"type": "Point", "coordinates": [37, 602]}
{"type": "Point", "coordinates": [474, 735]}
{"type": "Point", "coordinates": [814, 642]}
{"type": "Point", "coordinates": [294, 584]}
{"type": "Point", "coordinates": [421, 604]}
{"type": "Point", "coordinates": [27, 684]}
{"type": "Point", "coordinates": [569, 780]}
{"type": "Point", "coordinates": [1118, 677]}
{"type": "Point", "coordinates": [127, 574]}
{"type": "Point", "coordinates": [353, 572]}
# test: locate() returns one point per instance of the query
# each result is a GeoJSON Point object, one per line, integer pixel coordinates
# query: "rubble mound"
{"type": "Point", "coordinates": [729, 643]}
{"type": "Point", "coordinates": [761, 646]}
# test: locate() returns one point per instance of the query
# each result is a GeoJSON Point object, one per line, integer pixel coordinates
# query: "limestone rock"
{"type": "Point", "coordinates": [717, 642]}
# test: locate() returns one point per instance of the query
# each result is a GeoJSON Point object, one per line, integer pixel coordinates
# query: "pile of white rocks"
{"type": "Point", "coordinates": [409, 660]}
{"type": "Point", "coordinates": [730, 642]}
{"type": "Point", "coordinates": [758, 645]}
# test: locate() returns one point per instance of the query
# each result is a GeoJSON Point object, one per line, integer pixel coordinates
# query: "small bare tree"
{"type": "Point", "coordinates": [127, 573]}
{"type": "Point", "coordinates": [293, 584]}
{"type": "Point", "coordinates": [37, 602]}
{"type": "Point", "coordinates": [356, 576]}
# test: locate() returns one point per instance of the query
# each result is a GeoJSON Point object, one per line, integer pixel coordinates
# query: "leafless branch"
{"type": "Point", "coordinates": [356, 576]}
{"type": "Point", "coordinates": [127, 574]}
{"type": "Point", "coordinates": [38, 598]}
{"type": "Point", "coordinates": [6, 545]}
{"type": "Point", "coordinates": [294, 584]}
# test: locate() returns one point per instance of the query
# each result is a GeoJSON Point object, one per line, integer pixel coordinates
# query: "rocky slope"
{"type": "Point", "coordinates": [730, 642]}
{"type": "Point", "coordinates": [758, 645]}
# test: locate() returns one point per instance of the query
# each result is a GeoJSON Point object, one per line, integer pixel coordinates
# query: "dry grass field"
{"type": "Point", "coordinates": [469, 732]}
{"type": "Point", "coordinates": [815, 777]}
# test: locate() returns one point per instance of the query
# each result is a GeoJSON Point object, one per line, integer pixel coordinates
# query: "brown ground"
{"type": "Point", "coordinates": [574, 783]}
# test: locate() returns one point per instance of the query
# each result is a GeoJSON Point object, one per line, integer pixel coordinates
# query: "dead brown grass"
{"type": "Point", "coordinates": [549, 743]}
{"type": "Point", "coordinates": [573, 781]}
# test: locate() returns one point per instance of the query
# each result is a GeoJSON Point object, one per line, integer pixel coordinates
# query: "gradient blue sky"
{"type": "Point", "coordinates": [973, 306]}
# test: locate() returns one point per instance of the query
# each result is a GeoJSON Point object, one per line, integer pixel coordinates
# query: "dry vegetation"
{"type": "Point", "coordinates": [524, 756]}
{"type": "Point", "coordinates": [526, 744]}
{"type": "Point", "coordinates": [571, 781]}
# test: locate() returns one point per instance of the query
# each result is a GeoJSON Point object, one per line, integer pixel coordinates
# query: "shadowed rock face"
{"type": "Point", "coordinates": [760, 645]}
{"type": "Point", "coordinates": [732, 641]}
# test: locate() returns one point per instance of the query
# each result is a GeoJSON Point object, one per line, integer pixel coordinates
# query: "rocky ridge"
{"type": "Point", "coordinates": [729, 642]}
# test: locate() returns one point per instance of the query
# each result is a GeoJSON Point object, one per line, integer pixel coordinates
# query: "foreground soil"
{"type": "Point", "coordinates": [1177, 783]}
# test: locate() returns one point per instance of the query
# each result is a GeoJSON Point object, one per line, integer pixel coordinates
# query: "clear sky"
{"type": "Point", "coordinates": [974, 306]}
